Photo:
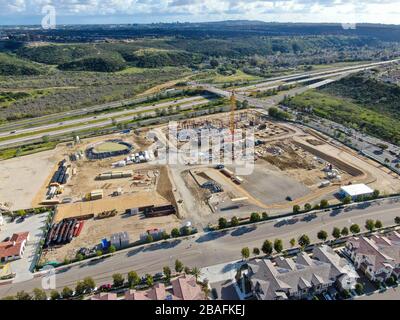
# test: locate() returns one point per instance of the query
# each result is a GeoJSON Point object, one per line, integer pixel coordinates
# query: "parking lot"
{"type": "Point", "coordinates": [34, 225]}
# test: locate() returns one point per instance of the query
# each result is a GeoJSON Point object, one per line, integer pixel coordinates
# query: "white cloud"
{"type": "Point", "coordinates": [384, 11]}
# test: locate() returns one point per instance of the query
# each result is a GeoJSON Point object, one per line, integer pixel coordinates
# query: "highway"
{"type": "Point", "coordinates": [72, 113]}
{"type": "Point", "coordinates": [184, 104]}
{"type": "Point", "coordinates": [325, 76]}
{"type": "Point", "coordinates": [207, 249]}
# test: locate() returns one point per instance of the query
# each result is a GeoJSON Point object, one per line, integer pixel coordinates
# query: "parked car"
{"type": "Point", "coordinates": [158, 276]}
{"type": "Point", "coordinates": [214, 293]}
{"type": "Point", "coordinates": [105, 287]}
{"type": "Point", "coordinates": [21, 219]}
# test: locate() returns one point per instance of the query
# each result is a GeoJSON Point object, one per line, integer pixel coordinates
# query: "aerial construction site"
{"type": "Point", "coordinates": [111, 184]}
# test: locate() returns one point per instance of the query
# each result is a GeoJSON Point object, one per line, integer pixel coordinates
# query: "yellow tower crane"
{"type": "Point", "coordinates": [233, 109]}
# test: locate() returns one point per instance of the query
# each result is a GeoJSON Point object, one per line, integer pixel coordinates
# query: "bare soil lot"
{"type": "Point", "coordinates": [96, 230]}
{"type": "Point", "coordinates": [22, 178]}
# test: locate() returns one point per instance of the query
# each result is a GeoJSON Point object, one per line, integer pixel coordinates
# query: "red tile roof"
{"type": "Point", "coordinates": [13, 246]}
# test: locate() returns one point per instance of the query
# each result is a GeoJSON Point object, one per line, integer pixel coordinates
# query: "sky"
{"type": "Point", "coordinates": [148, 11]}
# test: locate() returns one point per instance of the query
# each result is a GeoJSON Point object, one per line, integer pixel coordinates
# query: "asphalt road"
{"type": "Point", "coordinates": [99, 117]}
{"type": "Point", "coordinates": [183, 105]}
{"type": "Point", "coordinates": [211, 248]}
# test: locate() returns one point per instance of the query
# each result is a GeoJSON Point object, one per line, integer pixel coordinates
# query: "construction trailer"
{"type": "Point", "coordinates": [96, 195]}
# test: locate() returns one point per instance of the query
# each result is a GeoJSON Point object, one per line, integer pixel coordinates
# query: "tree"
{"type": "Point", "coordinates": [79, 257]}
{"type": "Point", "coordinates": [255, 217]}
{"type": "Point", "coordinates": [359, 288]}
{"type": "Point", "coordinates": [222, 223]}
{"type": "Point", "coordinates": [324, 203]}
{"type": "Point", "coordinates": [304, 241]}
{"type": "Point", "coordinates": [178, 266]}
{"type": "Point", "coordinates": [256, 251]}
{"type": "Point", "coordinates": [66, 293]}
{"type": "Point", "coordinates": [370, 225]}
{"type": "Point", "coordinates": [322, 235]}
{"type": "Point", "coordinates": [376, 194]}
{"type": "Point", "coordinates": [175, 233]}
{"type": "Point", "coordinates": [355, 228]}
{"type": "Point", "coordinates": [39, 294]}
{"type": "Point", "coordinates": [336, 233]}
{"type": "Point", "coordinates": [54, 295]}
{"type": "Point", "coordinates": [378, 224]}
{"type": "Point", "coordinates": [307, 207]}
{"type": "Point", "coordinates": [278, 245]}
{"type": "Point", "coordinates": [267, 247]}
{"type": "Point", "coordinates": [149, 238]}
{"type": "Point", "coordinates": [133, 279]}
{"type": "Point", "coordinates": [80, 288]}
{"type": "Point", "coordinates": [89, 283]}
{"type": "Point", "coordinates": [149, 280]}
{"type": "Point", "coordinates": [99, 253]}
{"type": "Point", "coordinates": [165, 235]}
{"type": "Point", "coordinates": [397, 220]}
{"type": "Point", "coordinates": [118, 280]}
{"type": "Point", "coordinates": [112, 249]}
{"type": "Point", "coordinates": [234, 222]}
{"type": "Point", "coordinates": [214, 63]}
{"type": "Point", "coordinates": [167, 272]}
{"type": "Point", "coordinates": [292, 242]}
{"type": "Point", "coordinates": [296, 208]}
{"type": "Point", "coordinates": [196, 272]}
{"type": "Point", "coordinates": [265, 216]}
{"type": "Point", "coordinates": [347, 200]}
{"type": "Point", "coordinates": [245, 253]}
{"type": "Point", "coordinates": [22, 295]}
{"type": "Point", "coordinates": [345, 232]}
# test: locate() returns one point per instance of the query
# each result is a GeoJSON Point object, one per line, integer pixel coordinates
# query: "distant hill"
{"type": "Point", "coordinates": [12, 66]}
{"type": "Point", "coordinates": [233, 28]}
{"type": "Point", "coordinates": [95, 63]}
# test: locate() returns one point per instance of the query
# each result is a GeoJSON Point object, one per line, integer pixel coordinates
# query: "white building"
{"type": "Point", "coordinates": [356, 190]}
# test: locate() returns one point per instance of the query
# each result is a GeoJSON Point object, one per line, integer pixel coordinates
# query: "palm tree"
{"type": "Point", "coordinates": [196, 272]}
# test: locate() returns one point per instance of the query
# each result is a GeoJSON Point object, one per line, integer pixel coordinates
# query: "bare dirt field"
{"type": "Point", "coordinates": [22, 178]}
{"type": "Point", "coordinates": [96, 230]}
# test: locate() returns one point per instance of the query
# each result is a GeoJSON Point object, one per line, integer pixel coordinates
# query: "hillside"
{"type": "Point", "coordinates": [363, 104]}
{"type": "Point", "coordinates": [12, 66]}
{"type": "Point", "coordinates": [97, 64]}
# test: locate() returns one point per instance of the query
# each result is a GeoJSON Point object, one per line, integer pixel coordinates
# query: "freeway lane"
{"type": "Point", "coordinates": [148, 109]}
{"type": "Point", "coordinates": [102, 116]}
{"type": "Point", "coordinates": [208, 249]}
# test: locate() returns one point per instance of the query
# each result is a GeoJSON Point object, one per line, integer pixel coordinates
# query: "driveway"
{"type": "Point", "coordinates": [34, 225]}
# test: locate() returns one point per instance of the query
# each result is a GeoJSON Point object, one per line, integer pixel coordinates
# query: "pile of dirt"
{"type": "Point", "coordinates": [289, 159]}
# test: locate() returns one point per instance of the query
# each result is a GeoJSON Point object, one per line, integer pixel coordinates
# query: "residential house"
{"type": "Point", "coordinates": [297, 278]}
{"type": "Point", "coordinates": [378, 256]}
{"type": "Point", "coordinates": [14, 248]}
{"type": "Point", "coordinates": [182, 288]}
{"type": "Point", "coordinates": [105, 296]}
{"type": "Point", "coordinates": [345, 274]}
{"type": "Point", "coordinates": [286, 278]}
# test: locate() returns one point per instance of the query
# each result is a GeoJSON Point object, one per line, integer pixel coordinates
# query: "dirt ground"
{"type": "Point", "coordinates": [96, 230]}
{"type": "Point", "coordinates": [22, 178]}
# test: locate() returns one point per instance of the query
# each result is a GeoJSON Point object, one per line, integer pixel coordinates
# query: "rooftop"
{"type": "Point", "coordinates": [357, 190]}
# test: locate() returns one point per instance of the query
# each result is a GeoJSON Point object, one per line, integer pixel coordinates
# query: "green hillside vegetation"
{"type": "Point", "coordinates": [57, 54]}
{"type": "Point", "coordinates": [97, 64]}
{"type": "Point", "coordinates": [350, 113]}
{"type": "Point", "coordinates": [152, 58]}
{"type": "Point", "coordinates": [371, 93]}
{"type": "Point", "coordinates": [12, 66]}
